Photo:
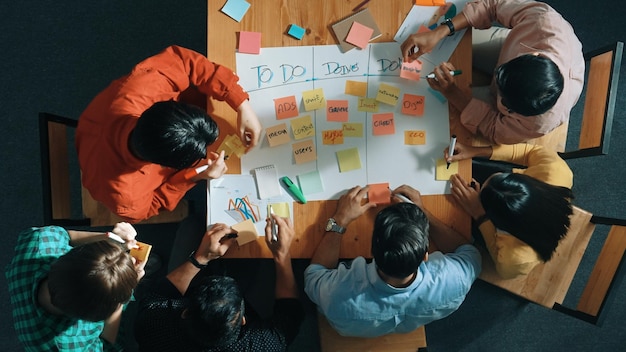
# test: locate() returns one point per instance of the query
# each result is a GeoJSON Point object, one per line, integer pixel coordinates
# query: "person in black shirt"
{"type": "Point", "coordinates": [189, 312]}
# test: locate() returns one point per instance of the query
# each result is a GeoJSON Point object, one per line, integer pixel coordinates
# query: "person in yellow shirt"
{"type": "Point", "coordinates": [522, 215]}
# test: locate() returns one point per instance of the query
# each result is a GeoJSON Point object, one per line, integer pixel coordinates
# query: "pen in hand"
{"type": "Point", "coordinates": [274, 225]}
{"type": "Point", "coordinates": [402, 197]}
{"type": "Point", "coordinates": [451, 149]}
{"type": "Point", "coordinates": [454, 73]}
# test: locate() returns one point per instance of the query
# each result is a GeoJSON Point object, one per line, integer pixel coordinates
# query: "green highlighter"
{"type": "Point", "coordinates": [293, 189]}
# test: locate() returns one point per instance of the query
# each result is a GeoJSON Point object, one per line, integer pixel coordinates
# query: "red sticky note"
{"type": "Point", "coordinates": [250, 42]}
{"type": "Point", "coordinates": [413, 104]}
{"type": "Point", "coordinates": [383, 124]}
{"type": "Point", "coordinates": [379, 193]}
{"type": "Point", "coordinates": [359, 35]}
{"type": "Point", "coordinates": [337, 110]}
{"type": "Point", "coordinates": [286, 107]}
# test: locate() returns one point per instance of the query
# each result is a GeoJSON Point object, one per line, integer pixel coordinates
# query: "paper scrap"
{"type": "Point", "coordinates": [356, 88]}
{"type": "Point", "coordinates": [235, 9]}
{"type": "Point", "coordinates": [250, 42]}
{"type": "Point", "coordinates": [277, 135]}
{"type": "Point", "coordinates": [311, 182]}
{"type": "Point", "coordinates": [379, 193]}
{"type": "Point", "coordinates": [337, 110]}
{"type": "Point", "coordinates": [246, 232]}
{"type": "Point", "coordinates": [442, 173]}
{"type": "Point", "coordinates": [359, 35]}
{"type": "Point", "coordinates": [414, 137]}
{"type": "Point", "coordinates": [313, 99]}
{"type": "Point", "coordinates": [383, 124]}
{"type": "Point", "coordinates": [349, 159]}
{"type": "Point", "coordinates": [304, 152]}
{"type": "Point", "coordinates": [302, 127]}
{"type": "Point", "coordinates": [413, 104]}
{"type": "Point", "coordinates": [286, 107]}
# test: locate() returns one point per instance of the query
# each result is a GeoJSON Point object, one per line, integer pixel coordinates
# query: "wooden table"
{"type": "Point", "coordinates": [272, 18]}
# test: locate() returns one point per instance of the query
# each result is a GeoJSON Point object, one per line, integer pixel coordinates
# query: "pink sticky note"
{"type": "Point", "coordinates": [383, 124]}
{"type": "Point", "coordinates": [411, 70]}
{"type": "Point", "coordinates": [337, 110]}
{"type": "Point", "coordinates": [359, 35]}
{"type": "Point", "coordinates": [423, 29]}
{"type": "Point", "coordinates": [250, 42]}
{"type": "Point", "coordinates": [379, 193]}
{"type": "Point", "coordinates": [413, 104]}
{"type": "Point", "coordinates": [286, 107]}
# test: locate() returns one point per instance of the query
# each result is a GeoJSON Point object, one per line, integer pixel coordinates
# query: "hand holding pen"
{"type": "Point", "coordinates": [284, 235]}
{"type": "Point", "coordinates": [215, 167]}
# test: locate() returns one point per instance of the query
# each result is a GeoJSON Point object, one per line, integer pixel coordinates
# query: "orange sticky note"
{"type": "Point", "coordinates": [313, 99]}
{"type": "Point", "coordinates": [277, 135]}
{"type": "Point", "coordinates": [352, 129]}
{"type": "Point", "coordinates": [142, 252]}
{"type": "Point", "coordinates": [359, 35]}
{"type": "Point", "coordinates": [411, 70]}
{"type": "Point", "coordinates": [337, 110]}
{"type": "Point", "coordinates": [383, 124]}
{"type": "Point", "coordinates": [413, 104]}
{"type": "Point", "coordinates": [430, 2]}
{"type": "Point", "coordinates": [304, 151]}
{"type": "Point", "coordinates": [302, 127]}
{"type": "Point", "coordinates": [379, 193]}
{"type": "Point", "coordinates": [414, 137]}
{"type": "Point", "coordinates": [356, 88]}
{"type": "Point", "coordinates": [367, 105]}
{"type": "Point", "coordinates": [330, 137]}
{"type": "Point", "coordinates": [250, 42]}
{"type": "Point", "coordinates": [286, 107]}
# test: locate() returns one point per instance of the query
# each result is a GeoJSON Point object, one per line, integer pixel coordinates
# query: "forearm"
{"type": "Point", "coordinates": [112, 326]}
{"type": "Point", "coordinates": [182, 276]}
{"type": "Point", "coordinates": [78, 238]}
{"type": "Point", "coordinates": [445, 238]}
{"type": "Point", "coordinates": [285, 286]}
{"type": "Point", "coordinates": [327, 253]}
{"type": "Point", "coordinates": [457, 98]}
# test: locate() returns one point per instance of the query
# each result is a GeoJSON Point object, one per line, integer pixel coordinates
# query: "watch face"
{"type": "Point", "coordinates": [329, 224]}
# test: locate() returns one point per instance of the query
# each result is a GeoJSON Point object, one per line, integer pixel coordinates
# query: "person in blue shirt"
{"type": "Point", "coordinates": [404, 287]}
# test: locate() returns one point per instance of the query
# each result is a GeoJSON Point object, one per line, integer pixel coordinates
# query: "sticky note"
{"type": "Point", "coordinates": [313, 99]}
{"type": "Point", "coordinates": [349, 159]}
{"type": "Point", "coordinates": [232, 145]}
{"type": "Point", "coordinates": [442, 173]}
{"type": "Point", "coordinates": [383, 124]}
{"type": "Point", "coordinates": [423, 29]}
{"type": "Point", "coordinates": [379, 193]}
{"type": "Point", "coordinates": [359, 35]}
{"type": "Point", "coordinates": [302, 127]}
{"type": "Point", "coordinates": [352, 129]}
{"type": "Point", "coordinates": [250, 42]}
{"type": "Point", "coordinates": [286, 107]}
{"type": "Point", "coordinates": [388, 94]}
{"type": "Point", "coordinates": [330, 137]}
{"type": "Point", "coordinates": [311, 182]}
{"type": "Point", "coordinates": [337, 110]}
{"type": "Point", "coordinates": [437, 95]}
{"type": "Point", "coordinates": [246, 232]}
{"type": "Point", "coordinates": [142, 252]}
{"type": "Point", "coordinates": [414, 137]}
{"type": "Point", "coordinates": [281, 209]}
{"type": "Point", "coordinates": [296, 31]}
{"type": "Point", "coordinates": [304, 151]}
{"type": "Point", "coordinates": [413, 104]}
{"type": "Point", "coordinates": [430, 2]}
{"type": "Point", "coordinates": [235, 9]}
{"type": "Point", "coordinates": [356, 88]}
{"type": "Point", "coordinates": [367, 105]}
{"type": "Point", "coordinates": [411, 70]}
{"type": "Point", "coordinates": [277, 135]}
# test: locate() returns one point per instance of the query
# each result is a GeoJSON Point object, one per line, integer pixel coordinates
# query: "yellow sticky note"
{"type": "Point", "coordinates": [442, 173]}
{"type": "Point", "coordinates": [330, 137]}
{"type": "Point", "coordinates": [234, 142]}
{"type": "Point", "coordinates": [368, 105]}
{"type": "Point", "coordinates": [281, 209]}
{"type": "Point", "coordinates": [304, 151]}
{"type": "Point", "coordinates": [356, 88]}
{"type": "Point", "coordinates": [352, 129]}
{"type": "Point", "coordinates": [414, 137]}
{"type": "Point", "coordinates": [313, 99]}
{"type": "Point", "coordinates": [246, 232]}
{"type": "Point", "coordinates": [388, 94]}
{"type": "Point", "coordinates": [302, 127]}
{"type": "Point", "coordinates": [349, 159]}
{"type": "Point", "coordinates": [277, 135]}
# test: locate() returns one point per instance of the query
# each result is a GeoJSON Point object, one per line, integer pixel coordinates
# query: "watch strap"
{"type": "Point", "coordinates": [335, 227]}
{"type": "Point", "coordinates": [195, 263]}
{"type": "Point", "coordinates": [448, 22]}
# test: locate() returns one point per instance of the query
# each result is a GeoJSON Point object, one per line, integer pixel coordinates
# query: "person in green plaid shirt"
{"type": "Point", "coordinates": [68, 288]}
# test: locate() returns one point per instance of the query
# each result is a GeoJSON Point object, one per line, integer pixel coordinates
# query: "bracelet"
{"type": "Point", "coordinates": [450, 25]}
{"type": "Point", "coordinates": [481, 219]}
{"type": "Point", "coordinates": [195, 263]}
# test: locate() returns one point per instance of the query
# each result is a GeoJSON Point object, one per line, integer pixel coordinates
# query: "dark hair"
{"type": "Point", "coordinates": [214, 312]}
{"type": "Point", "coordinates": [400, 239]}
{"type": "Point", "coordinates": [90, 281]}
{"type": "Point", "coordinates": [173, 134]}
{"type": "Point", "coordinates": [529, 84]}
{"type": "Point", "coordinates": [531, 210]}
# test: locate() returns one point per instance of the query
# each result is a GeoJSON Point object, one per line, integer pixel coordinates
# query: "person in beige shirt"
{"type": "Point", "coordinates": [539, 71]}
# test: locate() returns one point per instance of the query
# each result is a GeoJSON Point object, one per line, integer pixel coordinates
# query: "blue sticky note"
{"type": "Point", "coordinates": [296, 31]}
{"type": "Point", "coordinates": [235, 9]}
{"type": "Point", "coordinates": [437, 95]}
{"type": "Point", "coordinates": [311, 182]}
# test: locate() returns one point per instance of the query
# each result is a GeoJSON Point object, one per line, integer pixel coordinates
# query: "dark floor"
{"type": "Point", "coordinates": [59, 54]}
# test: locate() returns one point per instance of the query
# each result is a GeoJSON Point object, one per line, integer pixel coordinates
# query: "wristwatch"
{"type": "Point", "coordinates": [195, 263]}
{"type": "Point", "coordinates": [448, 22]}
{"type": "Point", "coordinates": [332, 226]}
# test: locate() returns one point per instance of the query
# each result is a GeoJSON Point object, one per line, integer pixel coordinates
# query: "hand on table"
{"type": "Point", "coordinates": [248, 125]}
{"type": "Point", "coordinates": [349, 207]}
{"type": "Point", "coordinates": [215, 243]}
{"type": "Point", "coordinates": [467, 196]}
{"type": "Point", "coordinates": [414, 195]}
{"type": "Point", "coordinates": [285, 235]}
